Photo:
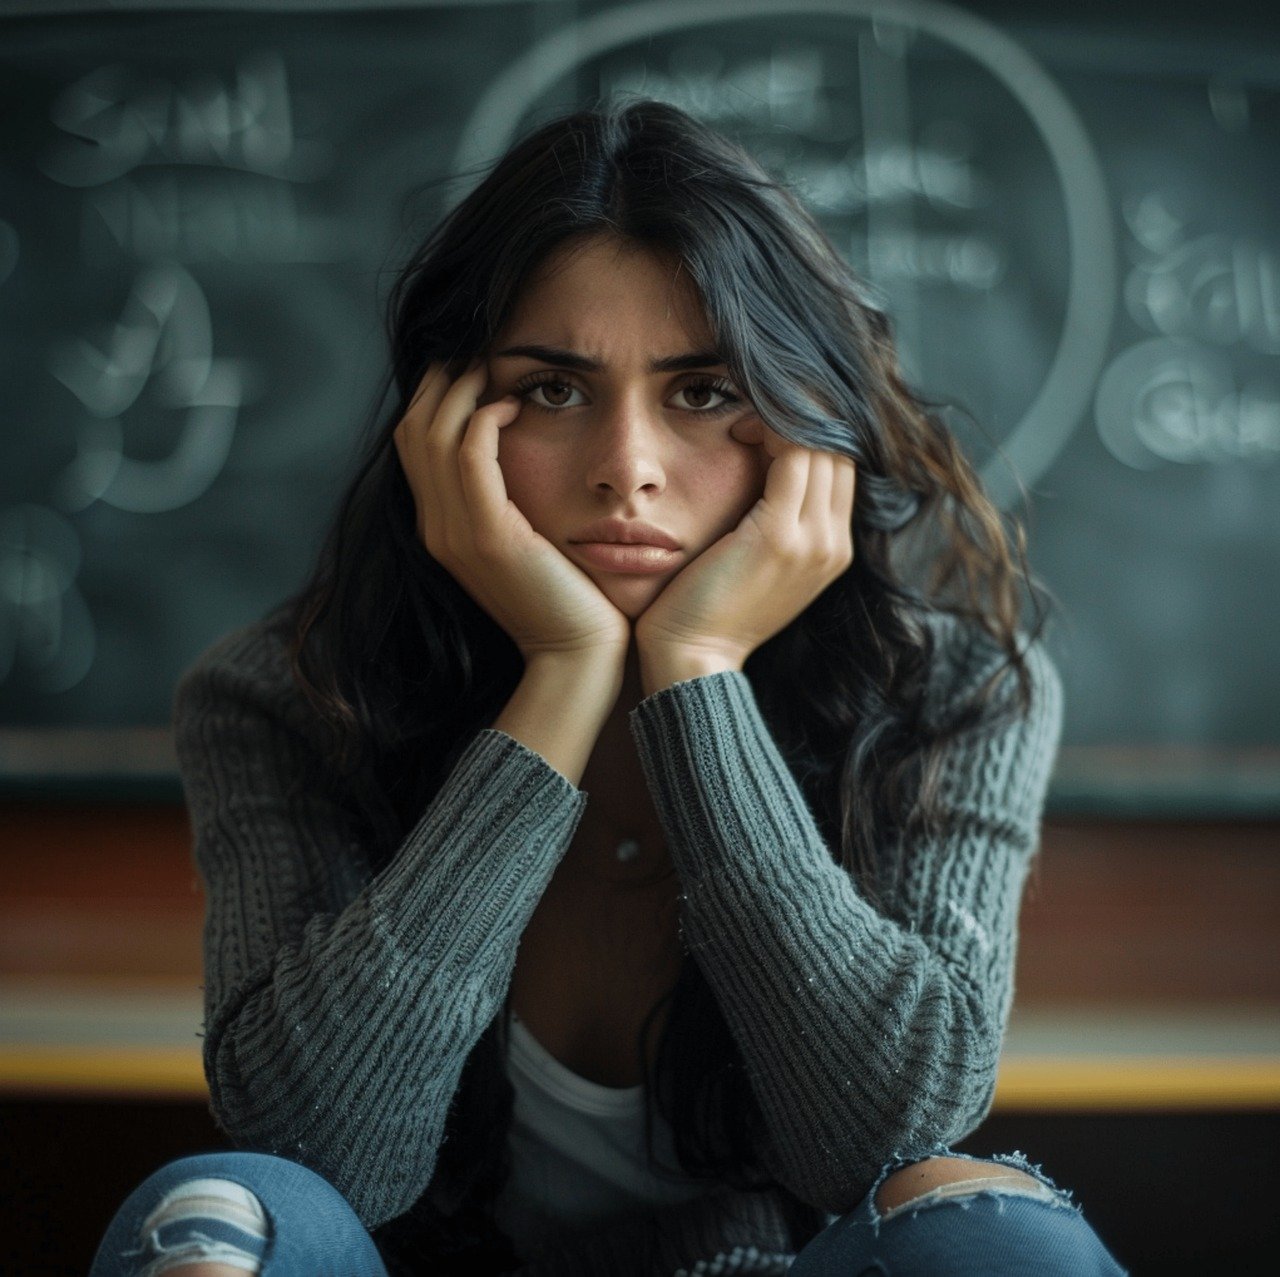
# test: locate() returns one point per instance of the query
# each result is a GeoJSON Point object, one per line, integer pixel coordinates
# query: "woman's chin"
{"type": "Point", "coordinates": [631, 595]}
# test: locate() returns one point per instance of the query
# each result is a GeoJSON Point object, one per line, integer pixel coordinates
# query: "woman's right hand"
{"type": "Point", "coordinates": [449, 452]}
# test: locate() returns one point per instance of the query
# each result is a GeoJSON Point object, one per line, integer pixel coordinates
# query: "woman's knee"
{"type": "Point", "coordinates": [959, 1215]}
{"type": "Point", "coordinates": [949, 1177]}
{"type": "Point", "coordinates": [1022, 1220]}
{"type": "Point", "coordinates": [209, 1219]}
{"type": "Point", "coordinates": [262, 1212]}
{"type": "Point", "coordinates": [195, 1209]}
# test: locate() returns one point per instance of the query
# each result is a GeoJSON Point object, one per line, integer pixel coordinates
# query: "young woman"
{"type": "Point", "coordinates": [614, 853]}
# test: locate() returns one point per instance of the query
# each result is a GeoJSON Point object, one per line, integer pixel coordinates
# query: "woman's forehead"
{"type": "Point", "coordinates": [605, 257]}
{"type": "Point", "coordinates": [579, 301]}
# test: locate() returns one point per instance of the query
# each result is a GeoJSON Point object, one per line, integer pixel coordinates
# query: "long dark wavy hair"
{"type": "Point", "coordinates": [404, 667]}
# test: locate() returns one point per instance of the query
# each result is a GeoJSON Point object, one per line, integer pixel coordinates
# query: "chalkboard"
{"type": "Point", "coordinates": [1069, 210]}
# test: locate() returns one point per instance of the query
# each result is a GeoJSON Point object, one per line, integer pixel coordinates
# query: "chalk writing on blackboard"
{"type": "Point", "coordinates": [1178, 397]}
{"type": "Point", "coordinates": [763, 93]}
{"type": "Point", "coordinates": [162, 338]}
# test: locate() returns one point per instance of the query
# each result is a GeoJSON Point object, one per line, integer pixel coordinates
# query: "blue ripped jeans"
{"type": "Point", "coordinates": [1005, 1226]}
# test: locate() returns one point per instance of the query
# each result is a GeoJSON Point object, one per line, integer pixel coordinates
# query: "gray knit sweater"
{"type": "Point", "coordinates": [342, 1005]}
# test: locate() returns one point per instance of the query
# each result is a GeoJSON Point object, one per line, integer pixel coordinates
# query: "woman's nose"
{"type": "Point", "coordinates": [628, 446]}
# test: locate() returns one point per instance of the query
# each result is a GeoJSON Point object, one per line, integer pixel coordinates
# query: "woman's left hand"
{"type": "Point", "coordinates": [750, 584]}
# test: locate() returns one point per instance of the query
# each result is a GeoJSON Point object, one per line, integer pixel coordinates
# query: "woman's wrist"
{"type": "Point", "coordinates": [661, 668]}
{"type": "Point", "coordinates": [561, 705]}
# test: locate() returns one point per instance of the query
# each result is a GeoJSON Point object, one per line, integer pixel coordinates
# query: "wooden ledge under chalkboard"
{"type": "Point", "coordinates": [1166, 782]}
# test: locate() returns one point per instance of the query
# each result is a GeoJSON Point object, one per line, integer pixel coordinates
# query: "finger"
{"type": "Point", "coordinates": [786, 482]}
{"type": "Point", "coordinates": [437, 434]}
{"type": "Point", "coordinates": [842, 494]}
{"type": "Point", "coordinates": [456, 406]}
{"type": "Point", "coordinates": [844, 487]}
{"type": "Point", "coordinates": [815, 509]}
{"type": "Point", "coordinates": [433, 379]}
{"type": "Point", "coordinates": [447, 431]}
{"type": "Point", "coordinates": [480, 475]}
{"type": "Point", "coordinates": [411, 431]}
{"type": "Point", "coordinates": [426, 399]}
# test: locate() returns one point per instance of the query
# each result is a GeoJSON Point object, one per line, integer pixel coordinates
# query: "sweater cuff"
{"type": "Point", "coordinates": [474, 867]}
{"type": "Point", "coordinates": [718, 780]}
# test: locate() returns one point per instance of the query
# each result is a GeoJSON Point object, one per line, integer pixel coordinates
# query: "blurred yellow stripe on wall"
{"type": "Point", "coordinates": [1045, 1084]}
{"type": "Point", "coordinates": [1205, 1083]}
{"type": "Point", "coordinates": [118, 1070]}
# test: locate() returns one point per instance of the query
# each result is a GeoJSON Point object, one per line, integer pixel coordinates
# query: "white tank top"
{"type": "Point", "coordinates": [577, 1150]}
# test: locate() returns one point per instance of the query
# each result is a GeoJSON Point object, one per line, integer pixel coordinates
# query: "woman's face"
{"type": "Point", "coordinates": [617, 439]}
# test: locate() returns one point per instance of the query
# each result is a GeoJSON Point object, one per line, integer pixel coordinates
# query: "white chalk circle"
{"type": "Point", "coordinates": [1067, 389]}
{"type": "Point", "coordinates": [1171, 400]}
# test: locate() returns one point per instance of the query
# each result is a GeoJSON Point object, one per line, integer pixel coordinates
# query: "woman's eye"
{"type": "Point", "coordinates": [555, 389]}
{"type": "Point", "coordinates": [698, 389]}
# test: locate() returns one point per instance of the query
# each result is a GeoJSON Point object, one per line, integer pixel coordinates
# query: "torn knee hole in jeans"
{"type": "Point", "coordinates": [997, 1185]}
{"type": "Point", "coordinates": [197, 1248]}
{"type": "Point", "coordinates": [209, 1219]}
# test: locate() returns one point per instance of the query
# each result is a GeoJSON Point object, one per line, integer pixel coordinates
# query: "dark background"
{"type": "Point", "coordinates": [1168, 1193]}
{"type": "Point", "coordinates": [200, 213]}
{"type": "Point", "coordinates": [202, 208]}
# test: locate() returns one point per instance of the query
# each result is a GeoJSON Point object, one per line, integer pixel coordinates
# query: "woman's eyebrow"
{"type": "Point", "coordinates": [580, 363]}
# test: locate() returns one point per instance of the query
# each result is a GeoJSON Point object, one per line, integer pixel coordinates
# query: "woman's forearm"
{"type": "Point", "coordinates": [560, 706]}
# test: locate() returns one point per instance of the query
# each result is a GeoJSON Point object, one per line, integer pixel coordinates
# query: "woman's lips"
{"type": "Point", "coordinates": [627, 558]}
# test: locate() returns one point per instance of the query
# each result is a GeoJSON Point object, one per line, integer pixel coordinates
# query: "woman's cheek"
{"type": "Point", "coordinates": [724, 488]}
{"type": "Point", "coordinates": [509, 456]}
{"type": "Point", "coordinates": [527, 466]}
{"type": "Point", "coordinates": [750, 468]}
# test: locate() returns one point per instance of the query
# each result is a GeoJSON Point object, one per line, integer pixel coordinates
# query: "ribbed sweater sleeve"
{"type": "Point", "coordinates": [864, 1033]}
{"type": "Point", "coordinates": [340, 1006]}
